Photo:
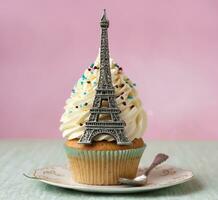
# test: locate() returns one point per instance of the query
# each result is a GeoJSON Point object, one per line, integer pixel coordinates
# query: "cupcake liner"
{"type": "Point", "coordinates": [99, 167]}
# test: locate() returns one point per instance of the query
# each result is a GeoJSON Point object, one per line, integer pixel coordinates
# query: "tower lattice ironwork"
{"type": "Point", "coordinates": [105, 101]}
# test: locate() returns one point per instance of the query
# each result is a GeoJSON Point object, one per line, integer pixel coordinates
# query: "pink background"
{"type": "Point", "coordinates": [169, 48]}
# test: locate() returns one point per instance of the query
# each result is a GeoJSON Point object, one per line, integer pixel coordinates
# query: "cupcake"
{"type": "Point", "coordinates": [103, 122]}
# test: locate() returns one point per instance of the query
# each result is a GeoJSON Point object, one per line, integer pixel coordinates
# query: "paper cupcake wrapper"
{"type": "Point", "coordinates": [129, 153]}
{"type": "Point", "coordinates": [103, 167]}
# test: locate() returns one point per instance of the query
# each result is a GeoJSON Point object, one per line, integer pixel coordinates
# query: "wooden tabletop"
{"type": "Point", "coordinates": [19, 156]}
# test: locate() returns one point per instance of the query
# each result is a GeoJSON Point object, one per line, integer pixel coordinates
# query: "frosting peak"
{"type": "Point", "coordinates": [80, 102]}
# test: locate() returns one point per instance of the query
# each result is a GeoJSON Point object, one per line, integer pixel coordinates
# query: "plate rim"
{"type": "Point", "coordinates": [113, 189]}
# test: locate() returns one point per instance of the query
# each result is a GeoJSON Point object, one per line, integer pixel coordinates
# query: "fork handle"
{"type": "Point", "coordinates": [159, 158]}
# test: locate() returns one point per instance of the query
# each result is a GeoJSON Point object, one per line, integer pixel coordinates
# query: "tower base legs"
{"type": "Point", "coordinates": [118, 135]}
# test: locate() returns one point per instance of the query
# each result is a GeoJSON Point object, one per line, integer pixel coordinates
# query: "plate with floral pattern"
{"type": "Point", "coordinates": [161, 177]}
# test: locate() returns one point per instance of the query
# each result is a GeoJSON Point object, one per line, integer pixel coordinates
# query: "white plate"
{"type": "Point", "coordinates": [161, 177]}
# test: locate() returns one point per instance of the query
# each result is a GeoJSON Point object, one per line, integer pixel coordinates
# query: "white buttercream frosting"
{"type": "Point", "coordinates": [78, 105]}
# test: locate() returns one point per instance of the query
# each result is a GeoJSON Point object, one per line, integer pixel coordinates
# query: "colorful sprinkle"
{"type": "Point", "coordinates": [95, 83]}
{"type": "Point", "coordinates": [120, 68]}
{"type": "Point", "coordinates": [80, 124]}
{"type": "Point", "coordinates": [122, 97]}
{"type": "Point", "coordinates": [92, 65]}
{"type": "Point", "coordinates": [132, 106]}
{"type": "Point", "coordinates": [116, 86]}
{"type": "Point", "coordinates": [89, 69]}
{"type": "Point", "coordinates": [77, 106]}
{"type": "Point", "coordinates": [117, 65]}
{"type": "Point", "coordinates": [134, 84]}
{"type": "Point", "coordinates": [130, 97]}
{"type": "Point", "coordinates": [86, 104]}
{"type": "Point", "coordinates": [121, 85]}
{"type": "Point", "coordinates": [81, 82]}
{"type": "Point", "coordinates": [88, 82]}
{"type": "Point", "coordinates": [95, 67]}
{"type": "Point", "coordinates": [84, 77]}
{"type": "Point", "coordinates": [73, 91]}
{"type": "Point", "coordinates": [84, 93]}
{"type": "Point", "coordinates": [124, 103]}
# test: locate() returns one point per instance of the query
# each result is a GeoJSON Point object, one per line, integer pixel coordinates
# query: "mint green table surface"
{"type": "Point", "coordinates": [18, 156]}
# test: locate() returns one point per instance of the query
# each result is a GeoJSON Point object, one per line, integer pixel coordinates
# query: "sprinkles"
{"type": "Point", "coordinates": [124, 103]}
{"type": "Point", "coordinates": [84, 77]}
{"type": "Point", "coordinates": [86, 104]}
{"type": "Point", "coordinates": [121, 85]}
{"type": "Point", "coordinates": [80, 124]}
{"type": "Point", "coordinates": [131, 107]}
{"type": "Point", "coordinates": [130, 97]}
{"type": "Point", "coordinates": [117, 65]}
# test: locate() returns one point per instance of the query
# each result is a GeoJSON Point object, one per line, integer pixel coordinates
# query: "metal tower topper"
{"type": "Point", "coordinates": [104, 114]}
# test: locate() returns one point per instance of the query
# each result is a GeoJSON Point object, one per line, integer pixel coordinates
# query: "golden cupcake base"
{"type": "Point", "coordinates": [104, 167]}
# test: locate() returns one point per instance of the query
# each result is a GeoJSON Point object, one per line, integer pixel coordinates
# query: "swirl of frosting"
{"type": "Point", "coordinates": [80, 102]}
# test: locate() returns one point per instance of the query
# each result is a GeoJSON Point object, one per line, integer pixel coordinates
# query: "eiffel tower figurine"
{"type": "Point", "coordinates": [105, 101]}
